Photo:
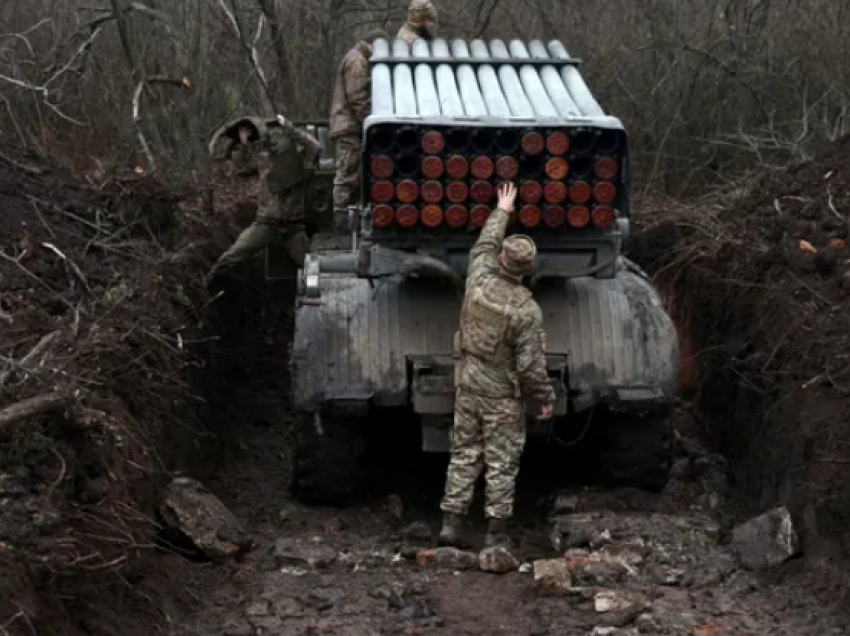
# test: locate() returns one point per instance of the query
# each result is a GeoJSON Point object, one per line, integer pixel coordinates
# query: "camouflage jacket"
{"type": "Point", "coordinates": [500, 341]}
{"type": "Point", "coordinates": [285, 159]}
{"type": "Point", "coordinates": [407, 33]}
{"type": "Point", "coordinates": [352, 98]}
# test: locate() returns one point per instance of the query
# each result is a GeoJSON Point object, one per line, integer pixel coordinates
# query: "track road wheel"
{"type": "Point", "coordinates": [326, 467]}
{"type": "Point", "coordinates": [637, 451]}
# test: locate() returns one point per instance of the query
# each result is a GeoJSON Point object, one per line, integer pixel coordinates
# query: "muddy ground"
{"type": "Point", "coordinates": [145, 392]}
{"type": "Point", "coordinates": [316, 571]}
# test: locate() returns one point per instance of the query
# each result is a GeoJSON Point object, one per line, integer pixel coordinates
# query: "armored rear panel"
{"type": "Point", "coordinates": [355, 343]}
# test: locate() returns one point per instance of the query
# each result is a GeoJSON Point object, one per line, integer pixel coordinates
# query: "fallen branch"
{"type": "Point", "coordinates": [37, 406]}
{"type": "Point", "coordinates": [17, 261]}
{"type": "Point", "coordinates": [35, 352]}
{"type": "Point", "coordinates": [20, 166]}
{"type": "Point", "coordinates": [72, 265]}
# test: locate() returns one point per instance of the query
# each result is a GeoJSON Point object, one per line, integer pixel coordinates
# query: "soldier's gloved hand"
{"type": "Point", "coordinates": [546, 411]}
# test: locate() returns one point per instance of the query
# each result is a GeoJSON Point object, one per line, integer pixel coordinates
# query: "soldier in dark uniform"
{"type": "Point", "coordinates": [285, 160]}
{"type": "Point", "coordinates": [500, 359]}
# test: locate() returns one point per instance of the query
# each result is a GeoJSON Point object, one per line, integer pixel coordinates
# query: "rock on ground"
{"type": "Point", "coordinates": [620, 607]}
{"type": "Point", "coordinates": [767, 540]}
{"type": "Point", "coordinates": [599, 573]}
{"type": "Point", "coordinates": [552, 575]}
{"type": "Point", "coordinates": [601, 528]}
{"type": "Point", "coordinates": [201, 516]}
{"type": "Point", "coordinates": [497, 560]}
{"type": "Point", "coordinates": [613, 631]}
{"type": "Point", "coordinates": [290, 554]}
{"type": "Point", "coordinates": [447, 557]}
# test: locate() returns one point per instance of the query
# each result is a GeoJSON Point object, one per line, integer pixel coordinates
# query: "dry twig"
{"type": "Point", "coordinates": [37, 406]}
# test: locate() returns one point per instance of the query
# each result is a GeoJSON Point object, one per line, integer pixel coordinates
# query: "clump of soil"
{"type": "Point", "coordinates": [759, 280]}
{"type": "Point", "coordinates": [101, 294]}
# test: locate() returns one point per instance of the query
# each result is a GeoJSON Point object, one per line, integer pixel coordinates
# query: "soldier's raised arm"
{"type": "Point", "coordinates": [311, 145]}
{"type": "Point", "coordinates": [485, 253]}
{"type": "Point", "coordinates": [530, 356]}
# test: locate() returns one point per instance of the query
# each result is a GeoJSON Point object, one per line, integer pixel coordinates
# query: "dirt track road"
{"type": "Point", "coordinates": [349, 572]}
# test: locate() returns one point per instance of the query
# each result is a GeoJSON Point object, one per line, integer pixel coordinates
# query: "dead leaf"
{"type": "Point", "coordinates": [808, 247]}
{"type": "Point", "coordinates": [837, 244]}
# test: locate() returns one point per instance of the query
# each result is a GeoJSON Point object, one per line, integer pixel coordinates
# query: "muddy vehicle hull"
{"type": "Point", "coordinates": [360, 349]}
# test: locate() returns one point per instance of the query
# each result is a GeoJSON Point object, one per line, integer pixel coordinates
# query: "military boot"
{"type": "Point", "coordinates": [451, 530]}
{"type": "Point", "coordinates": [497, 533]}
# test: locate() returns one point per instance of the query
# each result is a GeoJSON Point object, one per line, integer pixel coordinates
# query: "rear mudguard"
{"type": "Point", "coordinates": [389, 343]}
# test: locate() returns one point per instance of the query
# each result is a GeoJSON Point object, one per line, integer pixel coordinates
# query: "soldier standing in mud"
{"type": "Point", "coordinates": [500, 358]}
{"type": "Point", "coordinates": [285, 158]}
{"type": "Point", "coordinates": [421, 18]}
{"type": "Point", "coordinates": [352, 103]}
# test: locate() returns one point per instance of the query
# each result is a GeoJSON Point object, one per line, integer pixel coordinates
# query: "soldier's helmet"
{"type": "Point", "coordinates": [518, 254]}
{"type": "Point", "coordinates": [422, 12]}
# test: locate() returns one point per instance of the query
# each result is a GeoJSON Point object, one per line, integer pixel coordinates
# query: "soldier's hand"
{"type": "Point", "coordinates": [546, 411]}
{"type": "Point", "coordinates": [507, 196]}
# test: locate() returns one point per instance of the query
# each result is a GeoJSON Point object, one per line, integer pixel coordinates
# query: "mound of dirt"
{"type": "Point", "coordinates": [101, 293]}
{"type": "Point", "coordinates": [760, 284]}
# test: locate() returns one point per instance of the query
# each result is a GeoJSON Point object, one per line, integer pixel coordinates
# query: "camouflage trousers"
{"type": "Point", "coordinates": [347, 178]}
{"type": "Point", "coordinates": [487, 432]}
{"type": "Point", "coordinates": [287, 246]}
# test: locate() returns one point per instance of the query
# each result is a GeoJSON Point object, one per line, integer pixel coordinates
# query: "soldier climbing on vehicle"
{"type": "Point", "coordinates": [352, 103]}
{"type": "Point", "coordinates": [285, 159]}
{"type": "Point", "coordinates": [421, 18]}
{"type": "Point", "coordinates": [499, 359]}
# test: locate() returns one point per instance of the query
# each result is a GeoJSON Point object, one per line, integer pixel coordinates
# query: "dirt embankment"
{"type": "Point", "coordinates": [101, 289]}
{"type": "Point", "coordinates": [760, 283]}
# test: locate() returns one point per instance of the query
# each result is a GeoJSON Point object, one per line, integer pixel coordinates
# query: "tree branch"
{"type": "Point", "coordinates": [39, 405]}
{"type": "Point", "coordinates": [286, 84]}
{"type": "Point", "coordinates": [44, 89]}
{"type": "Point", "coordinates": [250, 49]}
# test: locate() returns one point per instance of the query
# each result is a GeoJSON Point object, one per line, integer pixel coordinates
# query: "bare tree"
{"type": "Point", "coordinates": [705, 88]}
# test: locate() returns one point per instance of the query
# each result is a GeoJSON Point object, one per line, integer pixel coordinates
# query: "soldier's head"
{"type": "Point", "coordinates": [369, 39]}
{"type": "Point", "coordinates": [517, 256]}
{"type": "Point", "coordinates": [422, 16]}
